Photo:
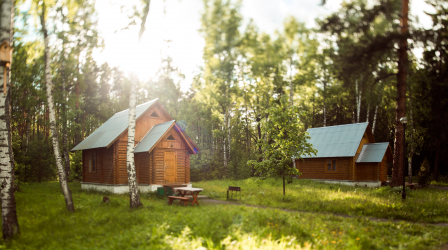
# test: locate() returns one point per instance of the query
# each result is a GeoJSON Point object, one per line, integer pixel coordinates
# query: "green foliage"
{"type": "Point", "coordinates": [424, 175]}
{"type": "Point", "coordinates": [286, 139]}
{"type": "Point", "coordinates": [422, 205]}
{"type": "Point", "coordinates": [98, 225]}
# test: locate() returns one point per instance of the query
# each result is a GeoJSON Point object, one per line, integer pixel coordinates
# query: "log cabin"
{"type": "Point", "coordinates": [347, 154]}
{"type": "Point", "coordinates": [162, 151]}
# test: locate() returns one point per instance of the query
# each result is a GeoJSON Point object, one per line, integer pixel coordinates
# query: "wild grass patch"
{"type": "Point", "coordinates": [45, 224]}
{"type": "Point", "coordinates": [421, 205]}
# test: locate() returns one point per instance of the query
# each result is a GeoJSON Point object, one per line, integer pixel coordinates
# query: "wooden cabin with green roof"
{"type": "Point", "coordinates": [346, 154]}
{"type": "Point", "coordinates": [162, 151]}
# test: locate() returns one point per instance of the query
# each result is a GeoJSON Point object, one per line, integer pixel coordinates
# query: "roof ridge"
{"type": "Point", "coordinates": [350, 124]}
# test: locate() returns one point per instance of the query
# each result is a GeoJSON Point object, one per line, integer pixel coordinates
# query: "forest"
{"type": "Point", "coordinates": [342, 71]}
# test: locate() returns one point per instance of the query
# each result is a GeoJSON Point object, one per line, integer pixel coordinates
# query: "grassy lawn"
{"type": "Point", "coordinates": [45, 224]}
{"type": "Point", "coordinates": [422, 205]}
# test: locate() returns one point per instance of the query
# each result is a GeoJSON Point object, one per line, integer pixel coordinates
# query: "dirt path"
{"type": "Point", "coordinates": [439, 187]}
{"type": "Point", "coordinates": [208, 200]}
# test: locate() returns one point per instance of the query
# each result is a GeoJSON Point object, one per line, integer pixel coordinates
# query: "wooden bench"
{"type": "Point", "coordinates": [183, 200]}
{"type": "Point", "coordinates": [233, 189]}
{"type": "Point", "coordinates": [412, 186]}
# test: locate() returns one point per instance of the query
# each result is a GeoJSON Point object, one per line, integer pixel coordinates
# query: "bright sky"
{"type": "Point", "coordinates": [181, 25]}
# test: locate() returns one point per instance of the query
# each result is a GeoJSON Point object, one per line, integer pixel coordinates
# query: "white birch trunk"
{"type": "Point", "coordinates": [358, 104]}
{"type": "Point", "coordinates": [357, 98]}
{"type": "Point", "coordinates": [325, 104]}
{"type": "Point", "coordinates": [64, 116]}
{"type": "Point", "coordinates": [374, 119]}
{"type": "Point", "coordinates": [134, 197]}
{"type": "Point", "coordinates": [53, 128]}
{"type": "Point", "coordinates": [368, 112]}
{"type": "Point", "coordinates": [10, 225]}
{"type": "Point", "coordinates": [224, 144]}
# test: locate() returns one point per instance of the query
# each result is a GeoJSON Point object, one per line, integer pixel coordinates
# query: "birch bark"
{"type": "Point", "coordinates": [10, 225]}
{"type": "Point", "coordinates": [64, 114]}
{"type": "Point", "coordinates": [54, 131]}
{"type": "Point", "coordinates": [325, 103]}
{"type": "Point", "coordinates": [134, 197]}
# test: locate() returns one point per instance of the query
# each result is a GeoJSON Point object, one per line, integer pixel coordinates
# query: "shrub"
{"type": "Point", "coordinates": [424, 175]}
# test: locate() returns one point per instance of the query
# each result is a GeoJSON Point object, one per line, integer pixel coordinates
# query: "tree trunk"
{"type": "Point", "coordinates": [284, 185]}
{"type": "Point", "coordinates": [54, 131]}
{"type": "Point", "coordinates": [224, 144]}
{"type": "Point", "coordinates": [10, 225]}
{"type": "Point", "coordinates": [325, 104]}
{"type": "Point", "coordinates": [436, 161]}
{"type": "Point", "coordinates": [291, 87]}
{"type": "Point", "coordinates": [411, 153]}
{"type": "Point", "coordinates": [134, 197]}
{"type": "Point", "coordinates": [397, 173]}
{"type": "Point", "coordinates": [368, 112]}
{"type": "Point", "coordinates": [358, 100]}
{"type": "Point", "coordinates": [64, 115]}
{"type": "Point", "coordinates": [228, 135]}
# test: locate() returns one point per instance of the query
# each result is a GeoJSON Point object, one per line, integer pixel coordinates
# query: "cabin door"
{"type": "Point", "coordinates": [170, 167]}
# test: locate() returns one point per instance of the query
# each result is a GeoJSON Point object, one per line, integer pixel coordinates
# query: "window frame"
{"type": "Point", "coordinates": [92, 159]}
{"type": "Point", "coordinates": [334, 166]}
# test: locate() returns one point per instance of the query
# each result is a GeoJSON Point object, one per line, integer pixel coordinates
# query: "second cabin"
{"type": "Point", "coordinates": [346, 154]}
{"type": "Point", "coordinates": [162, 151]}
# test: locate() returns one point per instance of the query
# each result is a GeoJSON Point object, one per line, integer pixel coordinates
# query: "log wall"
{"type": "Point", "coordinates": [367, 171]}
{"type": "Point", "coordinates": [317, 168]}
{"type": "Point", "coordinates": [142, 126]}
{"type": "Point", "coordinates": [104, 165]}
{"type": "Point", "coordinates": [383, 172]}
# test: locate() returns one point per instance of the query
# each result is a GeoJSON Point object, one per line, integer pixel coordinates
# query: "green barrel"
{"type": "Point", "coordinates": [160, 191]}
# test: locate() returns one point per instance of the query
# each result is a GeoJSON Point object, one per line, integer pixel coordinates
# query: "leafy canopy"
{"type": "Point", "coordinates": [286, 139]}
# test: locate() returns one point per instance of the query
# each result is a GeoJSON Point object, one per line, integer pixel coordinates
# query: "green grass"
{"type": "Point", "coordinates": [45, 224]}
{"type": "Point", "coordinates": [443, 182]}
{"type": "Point", "coordinates": [422, 205]}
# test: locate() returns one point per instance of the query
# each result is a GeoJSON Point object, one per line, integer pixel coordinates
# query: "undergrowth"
{"type": "Point", "coordinates": [45, 224]}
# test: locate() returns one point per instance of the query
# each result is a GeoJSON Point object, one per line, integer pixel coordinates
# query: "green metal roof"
{"type": "Point", "coordinates": [112, 128]}
{"type": "Point", "coordinates": [372, 152]}
{"type": "Point", "coordinates": [153, 136]}
{"type": "Point", "coordinates": [337, 141]}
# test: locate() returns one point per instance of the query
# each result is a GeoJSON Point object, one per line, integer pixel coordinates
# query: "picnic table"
{"type": "Point", "coordinates": [172, 186]}
{"type": "Point", "coordinates": [182, 191]}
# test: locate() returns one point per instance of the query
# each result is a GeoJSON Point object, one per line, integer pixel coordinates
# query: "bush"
{"type": "Point", "coordinates": [424, 175]}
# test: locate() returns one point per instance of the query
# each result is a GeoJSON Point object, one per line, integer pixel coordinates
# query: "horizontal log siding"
{"type": "Point", "coordinates": [367, 171]}
{"type": "Point", "coordinates": [158, 171]}
{"type": "Point", "coordinates": [142, 167]}
{"type": "Point", "coordinates": [107, 165]}
{"type": "Point", "coordinates": [316, 168]}
{"type": "Point", "coordinates": [95, 176]}
{"type": "Point", "coordinates": [142, 126]}
{"type": "Point", "coordinates": [187, 167]}
{"type": "Point", "coordinates": [383, 176]}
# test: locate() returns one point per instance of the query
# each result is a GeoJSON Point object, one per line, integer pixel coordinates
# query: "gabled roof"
{"type": "Point", "coordinates": [112, 128]}
{"type": "Point", "coordinates": [374, 152]}
{"type": "Point", "coordinates": [156, 133]}
{"type": "Point", "coordinates": [153, 136]}
{"type": "Point", "coordinates": [337, 141]}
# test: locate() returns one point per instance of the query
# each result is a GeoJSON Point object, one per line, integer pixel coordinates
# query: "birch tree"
{"type": "Point", "coordinates": [10, 225]}
{"type": "Point", "coordinates": [134, 197]}
{"type": "Point", "coordinates": [54, 131]}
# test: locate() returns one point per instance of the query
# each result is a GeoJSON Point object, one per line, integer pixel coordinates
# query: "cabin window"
{"type": "Point", "coordinates": [170, 138]}
{"type": "Point", "coordinates": [154, 114]}
{"type": "Point", "coordinates": [331, 165]}
{"type": "Point", "coordinates": [92, 162]}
